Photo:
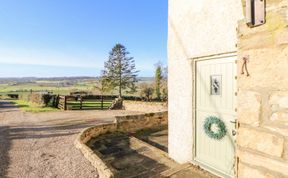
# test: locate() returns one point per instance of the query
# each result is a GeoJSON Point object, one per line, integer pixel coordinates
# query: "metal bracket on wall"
{"type": "Point", "coordinates": [255, 12]}
{"type": "Point", "coordinates": [244, 66]}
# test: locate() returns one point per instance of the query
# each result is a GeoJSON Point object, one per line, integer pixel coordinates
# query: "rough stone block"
{"type": "Point", "coordinates": [277, 127]}
{"type": "Point", "coordinates": [267, 68]}
{"type": "Point", "coordinates": [249, 107]}
{"type": "Point", "coordinates": [261, 141]}
{"type": "Point", "coordinates": [248, 172]}
{"type": "Point", "coordinates": [145, 106]}
{"type": "Point", "coordinates": [280, 117]}
{"type": "Point", "coordinates": [285, 154]}
{"type": "Point", "coordinates": [282, 37]}
{"type": "Point", "coordinates": [279, 101]}
{"type": "Point", "coordinates": [257, 160]}
{"type": "Point", "coordinates": [265, 35]}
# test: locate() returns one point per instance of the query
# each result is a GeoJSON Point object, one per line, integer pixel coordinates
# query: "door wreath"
{"type": "Point", "coordinates": [215, 122]}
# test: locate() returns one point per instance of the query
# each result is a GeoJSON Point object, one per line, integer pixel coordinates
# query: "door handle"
{"type": "Point", "coordinates": [233, 122]}
{"type": "Point", "coordinates": [234, 131]}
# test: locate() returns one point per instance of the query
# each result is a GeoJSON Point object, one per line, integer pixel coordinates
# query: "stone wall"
{"type": "Point", "coordinates": [142, 106]}
{"type": "Point", "coordinates": [126, 123]}
{"type": "Point", "coordinates": [36, 98]}
{"type": "Point", "coordinates": [103, 169]}
{"type": "Point", "coordinates": [262, 142]}
{"type": "Point", "coordinates": [136, 122]}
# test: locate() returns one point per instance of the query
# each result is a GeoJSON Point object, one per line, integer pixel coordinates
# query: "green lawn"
{"type": "Point", "coordinates": [88, 104]}
{"type": "Point", "coordinates": [31, 107]}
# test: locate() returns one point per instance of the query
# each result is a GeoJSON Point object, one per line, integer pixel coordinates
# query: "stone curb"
{"type": "Point", "coordinates": [102, 168]}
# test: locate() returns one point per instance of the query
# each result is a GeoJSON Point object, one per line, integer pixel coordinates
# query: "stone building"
{"type": "Point", "coordinates": [228, 63]}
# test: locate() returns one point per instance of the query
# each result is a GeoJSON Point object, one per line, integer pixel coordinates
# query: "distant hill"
{"type": "Point", "coordinates": [76, 78]}
{"type": "Point", "coordinates": [34, 79]}
{"type": "Point", "coordinates": [145, 79]}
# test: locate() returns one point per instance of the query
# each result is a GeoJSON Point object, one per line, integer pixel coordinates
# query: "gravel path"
{"type": "Point", "coordinates": [41, 145]}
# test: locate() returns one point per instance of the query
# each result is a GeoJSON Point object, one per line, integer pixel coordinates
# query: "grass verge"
{"type": "Point", "coordinates": [31, 107]}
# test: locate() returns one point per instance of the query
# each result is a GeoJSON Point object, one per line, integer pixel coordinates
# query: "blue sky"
{"type": "Point", "coordinates": [73, 37]}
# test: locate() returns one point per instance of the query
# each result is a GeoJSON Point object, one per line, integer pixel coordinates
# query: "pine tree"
{"type": "Point", "coordinates": [120, 70]}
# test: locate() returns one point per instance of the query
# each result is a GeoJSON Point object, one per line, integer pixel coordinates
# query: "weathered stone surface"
{"type": "Point", "coordinates": [282, 37]}
{"type": "Point", "coordinates": [280, 117]}
{"type": "Point", "coordinates": [276, 3]}
{"type": "Point", "coordinates": [188, 172]}
{"type": "Point", "coordinates": [141, 121]}
{"type": "Point", "coordinates": [257, 160]}
{"type": "Point", "coordinates": [249, 106]}
{"type": "Point", "coordinates": [267, 67]}
{"type": "Point", "coordinates": [277, 127]}
{"type": "Point", "coordinates": [248, 172]}
{"type": "Point", "coordinates": [279, 101]}
{"type": "Point", "coordinates": [264, 35]}
{"type": "Point", "coordinates": [117, 104]}
{"type": "Point", "coordinates": [261, 141]}
{"type": "Point", "coordinates": [145, 106]}
{"type": "Point", "coordinates": [285, 154]}
{"type": "Point", "coordinates": [267, 49]}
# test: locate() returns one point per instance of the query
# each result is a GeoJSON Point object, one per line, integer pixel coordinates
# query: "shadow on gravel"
{"type": "Point", "coordinates": [42, 131]}
{"type": "Point", "coordinates": [4, 148]}
{"type": "Point", "coordinates": [7, 106]}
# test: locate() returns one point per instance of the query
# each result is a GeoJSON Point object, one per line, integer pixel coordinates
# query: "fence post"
{"type": "Point", "coordinates": [81, 99]}
{"type": "Point", "coordinates": [101, 102]}
{"type": "Point", "coordinates": [65, 103]}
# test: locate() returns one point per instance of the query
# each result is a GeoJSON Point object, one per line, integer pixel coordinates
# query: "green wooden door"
{"type": "Point", "coordinates": [215, 96]}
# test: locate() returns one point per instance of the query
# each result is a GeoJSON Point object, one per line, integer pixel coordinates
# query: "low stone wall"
{"type": "Point", "coordinates": [142, 106]}
{"type": "Point", "coordinates": [36, 98]}
{"type": "Point", "coordinates": [128, 123]}
{"type": "Point", "coordinates": [103, 170]}
{"type": "Point", "coordinates": [39, 98]}
{"type": "Point", "coordinates": [135, 122]}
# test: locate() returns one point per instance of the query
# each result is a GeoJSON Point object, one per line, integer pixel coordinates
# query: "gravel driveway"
{"type": "Point", "coordinates": [41, 145]}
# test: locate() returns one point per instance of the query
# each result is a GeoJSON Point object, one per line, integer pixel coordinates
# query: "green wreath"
{"type": "Point", "coordinates": [213, 120]}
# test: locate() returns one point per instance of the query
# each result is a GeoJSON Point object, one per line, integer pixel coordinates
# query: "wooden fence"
{"type": "Point", "coordinates": [85, 102]}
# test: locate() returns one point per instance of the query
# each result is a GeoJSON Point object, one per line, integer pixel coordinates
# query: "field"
{"type": "Point", "coordinates": [62, 86]}
{"type": "Point", "coordinates": [57, 87]}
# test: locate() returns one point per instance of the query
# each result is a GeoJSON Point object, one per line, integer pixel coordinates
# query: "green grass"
{"type": "Point", "coordinates": [88, 104]}
{"type": "Point", "coordinates": [45, 85]}
{"type": "Point", "coordinates": [31, 107]}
